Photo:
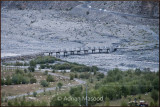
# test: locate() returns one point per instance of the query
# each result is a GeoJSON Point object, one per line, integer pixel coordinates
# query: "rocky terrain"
{"type": "Point", "coordinates": [32, 27]}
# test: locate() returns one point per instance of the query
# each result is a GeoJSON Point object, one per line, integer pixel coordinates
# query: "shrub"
{"type": "Point", "coordinates": [8, 80]}
{"type": "Point", "coordinates": [18, 64]}
{"type": "Point", "coordinates": [2, 81]}
{"type": "Point", "coordinates": [71, 76]}
{"type": "Point", "coordinates": [42, 66]}
{"type": "Point", "coordinates": [76, 75]}
{"type": "Point", "coordinates": [45, 59]}
{"type": "Point", "coordinates": [62, 66]}
{"type": "Point", "coordinates": [84, 75]}
{"type": "Point", "coordinates": [94, 68]}
{"type": "Point", "coordinates": [31, 69]}
{"type": "Point", "coordinates": [46, 73]}
{"type": "Point", "coordinates": [53, 71]}
{"type": "Point", "coordinates": [76, 91]}
{"type": "Point", "coordinates": [32, 63]}
{"type": "Point", "coordinates": [44, 83]}
{"type": "Point", "coordinates": [155, 83]}
{"type": "Point", "coordinates": [25, 80]}
{"type": "Point", "coordinates": [20, 79]}
{"type": "Point", "coordinates": [59, 85]}
{"type": "Point", "coordinates": [154, 95]}
{"type": "Point", "coordinates": [25, 70]}
{"type": "Point", "coordinates": [107, 101]}
{"type": "Point", "coordinates": [50, 78]}
{"type": "Point", "coordinates": [34, 94]}
{"type": "Point", "coordinates": [123, 103]}
{"type": "Point", "coordinates": [87, 13]}
{"type": "Point", "coordinates": [33, 80]}
{"type": "Point", "coordinates": [25, 64]}
{"type": "Point", "coordinates": [19, 71]}
{"type": "Point", "coordinates": [100, 76]}
{"type": "Point", "coordinates": [10, 103]}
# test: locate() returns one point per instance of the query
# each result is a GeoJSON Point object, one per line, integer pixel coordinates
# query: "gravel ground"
{"type": "Point", "coordinates": [31, 31]}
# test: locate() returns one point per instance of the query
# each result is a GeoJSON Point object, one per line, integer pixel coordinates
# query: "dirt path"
{"type": "Point", "coordinates": [80, 82]}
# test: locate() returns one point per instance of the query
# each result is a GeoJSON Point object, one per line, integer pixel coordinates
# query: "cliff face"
{"type": "Point", "coordinates": [146, 8]}
{"type": "Point", "coordinates": [57, 5]}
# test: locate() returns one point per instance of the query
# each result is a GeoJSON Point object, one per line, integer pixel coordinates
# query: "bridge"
{"type": "Point", "coordinates": [64, 52]}
{"type": "Point", "coordinates": [80, 51]}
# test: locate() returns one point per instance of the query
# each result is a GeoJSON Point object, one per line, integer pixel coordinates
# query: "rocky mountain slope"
{"type": "Point", "coordinates": [147, 8]}
{"type": "Point", "coordinates": [39, 28]}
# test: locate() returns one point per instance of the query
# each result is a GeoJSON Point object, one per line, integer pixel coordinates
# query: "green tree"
{"type": "Point", "coordinates": [53, 71]}
{"type": "Point", "coordinates": [123, 103]}
{"type": "Point", "coordinates": [59, 85]}
{"type": "Point", "coordinates": [19, 71]}
{"type": "Point", "coordinates": [76, 75]}
{"type": "Point", "coordinates": [44, 83]}
{"type": "Point", "coordinates": [76, 91]}
{"type": "Point", "coordinates": [33, 80]}
{"type": "Point", "coordinates": [156, 83]}
{"type": "Point", "coordinates": [31, 69]}
{"type": "Point", "coordinates": [2, 81]}
{"type": "Point", "coordinates": [50, 78]}
{"type": "Point", "coordinates": [32, 63]}
{"type": "Point", "coordinates": [71, 76]}
{"type": "Point", "coordinates": [107, 103]}
{"type": "Point", "coordinates": [8, 80]}
{"type": "Point", "coordinates": [25, 80]}
{"type": "Point", "coordinates": [125, 91]}
{"type": "Point", "coordinates": [154, 95]}
{"type": "Point", "coordinates": [34, 94]}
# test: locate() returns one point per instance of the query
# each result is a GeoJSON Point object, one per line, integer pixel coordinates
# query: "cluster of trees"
{"type": "Point", "coordinates": [128, 83]}
{"type": "Point", "coordinates": [45, 59]}
{"type": "Point", "coordinates": [17, 63]}
{"type": "Point", "coordinates": [45, 83]}
{"type": "Point", "coordinates": [21, 64]}
{"type": "Point", "coordinates": [154, 96]}
{"type": "Point", "coordinates": [116, 84]}
{"type": "Point", "coordinates": [72, 66]}
{"type": "Point", "coordinates": [19, 77]}
{"type": "Point", "coordinates": [85, 75]}
{"type": "Point", "coordinates": [74, 92]}
{"type": "Point", "coordinates": [24, 102]}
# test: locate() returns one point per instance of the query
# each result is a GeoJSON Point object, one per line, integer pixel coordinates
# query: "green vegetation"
{"type": "Point", "coordinates": [24, 102]}
{"type": "Point", "coordinates": [76, 91]}
{"type": "Point", "coordinates": [34, 94]}
{"type": "Point", "coordinates": [59, 85]}
{"type": "Point", "coordinates": [62, 102]}
{"type": "Point", "coordinates": [33, 80]}
{"type": "Point", "coordinates": [46, 72]}
{"type": "Point", "coordinates": [154, 95]}
{"type": "Point", "coordinates": [117, 85]}
{"type": "Point", "coordinates": [71, 76]}
{"type": "Point", "coordinates": [50, 78]}
{"type": "Point", "coordinates": [123, 103]}
{"type": "Point", "coordinates": [45, 59]}
{"type": "Point", "coordinates": [74, 67]}
{"type": "Point", "coordinates": [44, 83]}
{"type": "Point", "coordinates": [17, 63]}
{"type": "Point", "coordinates": [19, 77]}
{"type": "Point", "coordinates": [85, 75]}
